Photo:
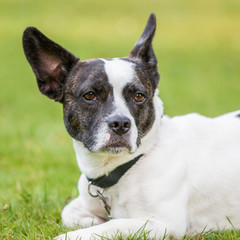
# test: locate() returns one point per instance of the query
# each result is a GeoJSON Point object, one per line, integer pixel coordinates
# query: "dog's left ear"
{"type": "Point", "coordinates": [50, 62]}
{"type": "Point", "coordinates": [143, 50]}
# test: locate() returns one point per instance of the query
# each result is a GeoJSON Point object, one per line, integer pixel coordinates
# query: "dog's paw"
{"type": "Point", "coordinates": [76, 235]}
{"type": "Point", "coordinates": [61, 237]}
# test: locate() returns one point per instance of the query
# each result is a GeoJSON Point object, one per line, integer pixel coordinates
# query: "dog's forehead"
{"type": "Point", "coordinates": [116, 73]}
{"type": "Point", "coordinates": [119, 72]}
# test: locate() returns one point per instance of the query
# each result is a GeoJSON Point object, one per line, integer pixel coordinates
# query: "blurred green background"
{"type": "Point", "coordinates": [197, 44]}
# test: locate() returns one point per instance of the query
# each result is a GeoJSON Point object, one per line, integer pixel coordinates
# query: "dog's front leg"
{"type": "Point", "coordinates": [111, 228]}
{"type": "Point", "coordinates": [75, 214]}
{"type": "Point", "coordinates": [83, 211]}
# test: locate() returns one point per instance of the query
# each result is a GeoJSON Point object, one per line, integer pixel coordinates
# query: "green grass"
{"type": "Point", "coordinates": [197, 45]}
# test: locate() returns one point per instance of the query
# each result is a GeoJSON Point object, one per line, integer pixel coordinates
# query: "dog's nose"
{"type": "Point", "coordinates": [119, 124]}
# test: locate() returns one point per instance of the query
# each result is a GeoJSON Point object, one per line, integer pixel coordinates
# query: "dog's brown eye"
{"type": "Point", "coordinates": [139, 97]}
{"type": "Point", "coordinates": [89, 96]}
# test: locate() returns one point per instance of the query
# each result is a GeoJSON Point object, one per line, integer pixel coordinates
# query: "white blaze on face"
{"type": "Point", "coordinates": [120, 73]}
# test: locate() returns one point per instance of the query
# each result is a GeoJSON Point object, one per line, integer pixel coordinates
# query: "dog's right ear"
{"type": "Point", "coordinates": [143, 49]}
{"type": "Point", "coordinates": [50, 62]}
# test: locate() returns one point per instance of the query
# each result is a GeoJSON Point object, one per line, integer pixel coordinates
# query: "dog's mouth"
{"type": "Point", "coordinates": [117, 145]}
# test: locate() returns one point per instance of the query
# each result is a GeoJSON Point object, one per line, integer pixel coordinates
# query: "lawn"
{"type": "Point", "coordinates": [198, 51]}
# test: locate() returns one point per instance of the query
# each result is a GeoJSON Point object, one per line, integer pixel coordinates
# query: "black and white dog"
{"type": "Point", "coordinates": [139, 168]}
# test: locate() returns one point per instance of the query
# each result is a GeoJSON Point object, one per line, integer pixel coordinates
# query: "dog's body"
{"type": "Point", "coordinates": [186, 176]}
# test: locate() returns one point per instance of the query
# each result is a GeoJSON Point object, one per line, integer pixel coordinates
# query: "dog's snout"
{"type": "Point", "coordinates": [119, 124]}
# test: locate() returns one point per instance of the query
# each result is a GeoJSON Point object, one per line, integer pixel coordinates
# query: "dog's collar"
{"type": "Point", "coordinates": [113, 177]}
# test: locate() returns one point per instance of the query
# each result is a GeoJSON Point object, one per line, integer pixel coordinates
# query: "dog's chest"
{"type": "Point", "coordinates": [127, 199]}
{"type": "Point", "coordinates": [117, 202]}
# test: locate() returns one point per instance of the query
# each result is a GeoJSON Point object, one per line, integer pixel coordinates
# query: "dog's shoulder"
{"type": "Point", "coordinates": [232, 115]}
{"type": "Point", "coordinates": [196, 118]}
{"type": "Point", "coordinates": [196, 125]}
{"type": "Point", "coordinates": [184, 122]}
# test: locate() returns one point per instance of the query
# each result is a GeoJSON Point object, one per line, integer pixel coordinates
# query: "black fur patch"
{"type": "Point", "coordinates": [82, 118]}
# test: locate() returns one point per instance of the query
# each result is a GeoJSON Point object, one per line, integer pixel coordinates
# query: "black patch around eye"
{"type": "Point", "coordinates": [238, 115]}
{"type": "Point", "coordinates": [90, 77]}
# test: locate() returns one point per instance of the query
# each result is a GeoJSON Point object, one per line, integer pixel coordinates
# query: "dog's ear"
{"type": "Point", "coordinates": [143, 49]}
{"type": "Point", "coordinates": [50, 62]}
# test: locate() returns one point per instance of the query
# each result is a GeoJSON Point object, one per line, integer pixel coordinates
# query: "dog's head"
{"type": "Point", "coordinates": [108, 103]}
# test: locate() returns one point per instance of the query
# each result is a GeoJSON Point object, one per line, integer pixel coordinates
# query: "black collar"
{"type": "Point", "coordinates": [113, 177]}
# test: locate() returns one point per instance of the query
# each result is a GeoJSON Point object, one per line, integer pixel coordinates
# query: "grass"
{"type": "Point", "coordinates": [197, 45]}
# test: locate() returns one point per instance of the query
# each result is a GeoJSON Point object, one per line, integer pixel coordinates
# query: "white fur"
{"type": "Point", "coordinates": [187, 180]}
{"type": "Point", "coordinates": [119, 73]}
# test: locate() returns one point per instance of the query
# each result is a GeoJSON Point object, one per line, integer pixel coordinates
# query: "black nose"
{"type": "Point", "coordinates": [119, 124]}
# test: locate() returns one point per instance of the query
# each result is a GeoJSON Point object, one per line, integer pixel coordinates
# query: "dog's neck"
{"type": "Point", "coordinates": [96, 164]}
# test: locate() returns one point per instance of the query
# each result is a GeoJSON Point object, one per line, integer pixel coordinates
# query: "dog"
{"type": "Point", "coordinates": [140, 168]}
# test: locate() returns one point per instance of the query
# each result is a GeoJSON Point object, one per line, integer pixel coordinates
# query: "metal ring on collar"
{"type": "Point", "coordinates": [91, 194]}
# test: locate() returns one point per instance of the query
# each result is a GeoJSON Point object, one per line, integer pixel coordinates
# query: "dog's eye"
{"type": "Point", "coordinates": [139, 97]}
{"type": "Point", "coordinates": [89, 96]}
